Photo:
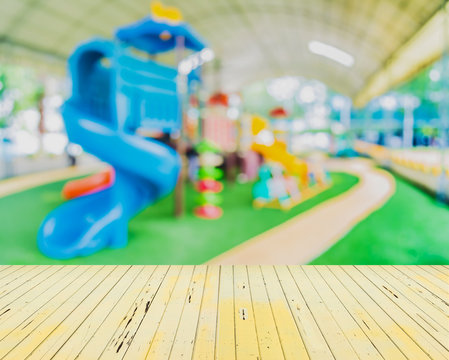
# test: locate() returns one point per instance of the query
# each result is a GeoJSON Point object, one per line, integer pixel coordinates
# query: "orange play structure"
{"type": "Point", "coordinates": [88, 185]}
{"type": "Point", "coordinates": [272, 149]}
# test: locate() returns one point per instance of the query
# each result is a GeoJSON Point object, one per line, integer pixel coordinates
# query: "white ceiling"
{"type": "Point", "coordinates": [254, 39]}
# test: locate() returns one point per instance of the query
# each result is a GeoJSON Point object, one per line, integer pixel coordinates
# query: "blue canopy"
{"type": "Point", "coordinates": [155, 37]}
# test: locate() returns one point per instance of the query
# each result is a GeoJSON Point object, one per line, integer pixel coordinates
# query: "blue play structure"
{"type": "Point", "coordinates": [116, 89]}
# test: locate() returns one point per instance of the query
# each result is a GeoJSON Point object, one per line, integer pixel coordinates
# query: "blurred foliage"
{"type": "Point", "coordinates": [256, 99]}
{"type": "Point", "coordinates": [20, 89]}
{"type": "Point", "coordinates": [429, 93]}
{"type": "Point", "coordinates": [418, 86]}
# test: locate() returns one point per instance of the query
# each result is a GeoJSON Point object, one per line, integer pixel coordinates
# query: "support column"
{"type": "Point", "coordinates": [179, 146]}
{"type": "Point", "coordinates": [444, 110]}
{"type": "Point", "coordinates": [409, 104]}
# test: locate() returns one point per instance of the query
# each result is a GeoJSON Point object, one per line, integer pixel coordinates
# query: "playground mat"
{"type": "Point", "coordinates": [309, 234]}
{"type": "Point", "coordinates": [239, 312]}
{"type": "Point", "coordinates": [411, 228]}
{"type": "Point", "coordinates": [155, 236]}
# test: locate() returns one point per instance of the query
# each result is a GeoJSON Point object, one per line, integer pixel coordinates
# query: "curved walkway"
{"type": "Point", "coordinates": [309, 234]}
{"type": "Point", "coordinates": [24, 182]}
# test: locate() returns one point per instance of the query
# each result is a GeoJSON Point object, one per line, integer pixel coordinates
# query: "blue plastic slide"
{"type": "Point", "coordinates": [115, 91]}
{"type": "Point", "coordinates": [145, 170]}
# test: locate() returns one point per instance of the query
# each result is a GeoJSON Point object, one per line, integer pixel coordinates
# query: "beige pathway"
{"type": "Point", "coordinates": [24, 182]}
{"type": "Point", "coordinates": [306, 236]}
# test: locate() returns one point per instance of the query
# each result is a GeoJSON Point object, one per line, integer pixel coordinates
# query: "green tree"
{"type": "Point", "coordinates": [19, 90]}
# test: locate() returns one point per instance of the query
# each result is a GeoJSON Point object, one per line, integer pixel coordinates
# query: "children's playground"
{"type": "Point", "coordinates": [153, 146]}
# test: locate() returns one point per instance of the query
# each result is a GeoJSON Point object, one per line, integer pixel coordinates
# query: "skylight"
{"type": "Point", "coordinates": [331, 52]}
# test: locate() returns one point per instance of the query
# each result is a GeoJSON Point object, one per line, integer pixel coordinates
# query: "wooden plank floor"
{"type": "Point", "coordinates": [229, 312]}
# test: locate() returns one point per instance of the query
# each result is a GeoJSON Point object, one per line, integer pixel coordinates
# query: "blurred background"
{"type": "Point", "coordinates": [359, 90]}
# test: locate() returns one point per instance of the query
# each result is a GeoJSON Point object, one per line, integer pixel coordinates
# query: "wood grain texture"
{"type": "Point", "coordinates": [227, 312]}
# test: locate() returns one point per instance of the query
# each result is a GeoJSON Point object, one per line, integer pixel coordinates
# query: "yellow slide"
{"type": "Point", "coordinates": [266, 144]}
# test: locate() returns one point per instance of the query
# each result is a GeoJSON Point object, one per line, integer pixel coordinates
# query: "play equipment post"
{"type": "Point", "coordinates": [179, 146]}
{"type": "Point", "coordinates": [444, 112]}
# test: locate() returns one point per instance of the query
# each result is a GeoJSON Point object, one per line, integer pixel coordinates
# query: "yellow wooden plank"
{"type": "Point", "coordinates": [204, 346]}
{"type": "Point", "coordinates": [267, 334]}
{"type": "Point", "coordinates": [187, 329]}
{"type": "Point", "coordinates": [19, 277]}
{"type": "Point", "coordinates": [59, 326]}
{"type": "Point", "coordinates": [315, 343]}
{"type": "Point", "coordinates": [157, 340]}
{"type": "Point", "coordinates": [4, 268]}
{"type": "Point", "coordinates": [31, 314]}
{"type": "Point", "coordinates": [426, 341]}
{"type": "Point", "coordinates": [7, 271]}
{"type": "Point", "coordinates": [438, 275]}
{"type": "Point", "coordinates": [46, 329]}
{"type": "Point", "coordinates": [121, 325]}
{"type": "Point", "coordinates": [292, 344]}
{"type": "Point", "coordinates": [335, 337]}
{"type": "Point", "coordinates": [437, 293]}
{"type": "Point", "coordinates": [225, 343]}
{"type": "Point", "coordinates": [149, 305]}
{"type": "Point", "coordinates": [153, 310]}
{"type": "Point", "coordinates": [76, 317]}
{"type": "Point", "coordinates": [438, 287]}
{"type": "Point", "coordinates": [206, 313]}
{"type": "Point", "coordinates": [246, 345]}
{"type": "Point", "coordinates": [437, 316]}
{"type": "Point", "coordinates": [380, 339]}
{"type": "Point", "coordinates": [162, 341]}
{"type": "Point", "coordinates": [442, 269]}
{"type": "Point", "coordinates": [397, 333]}
{"type": "Point", "coordinates": [432, 327]}
{"type": "Point", "coordinates": [15, 300]}
{"type": "Point", "coordinates": [69, 348]}
{"type": "Point", "coordinates": [350, 328]}
{"type": "Point", "coordinates": [419, 289]}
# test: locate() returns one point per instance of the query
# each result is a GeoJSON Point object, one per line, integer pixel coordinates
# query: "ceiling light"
{"type": "Point", "coordinates": [233, 113]}
{"type": "Point", "coordinates": [207, 54]}
{"type": "Point", "coordinates": [265, 137]}
{"type": "Point", "coordinates": [338, 102]}
{"type": "Point", "coordinates": [434, 75]}
{"type": "Point", "coordinates": [331, 52]}
{"type": "Point", "coordinates": [195, 60]}
{"type": "Point", "coordinates": [185, 66]}
{"type": "Point", "coordinates": [388, 102]}
{"type": "Point", "coordinates": [283, 88]}
{"type": "Point", "coordinates": [307, 95]}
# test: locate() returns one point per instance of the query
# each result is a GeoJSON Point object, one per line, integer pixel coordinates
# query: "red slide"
{"type": "Point", "coordinates": [88, 185]}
